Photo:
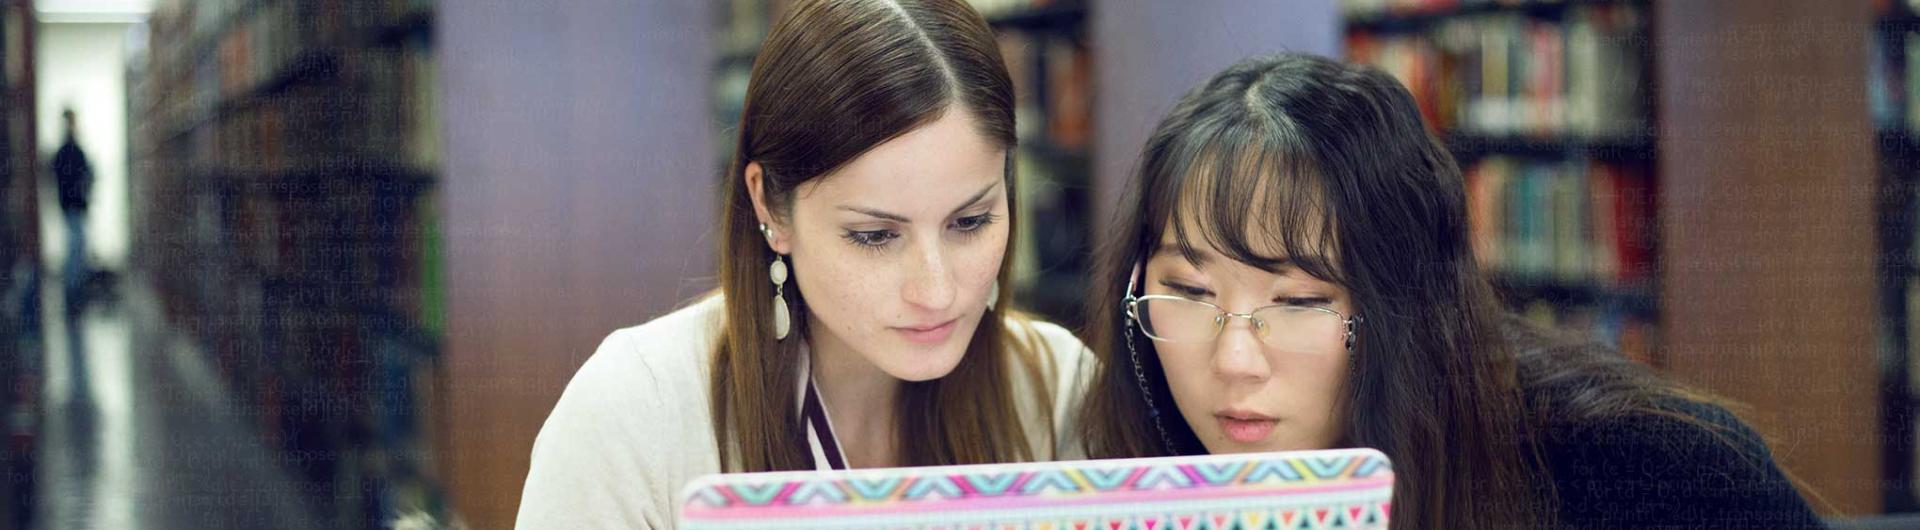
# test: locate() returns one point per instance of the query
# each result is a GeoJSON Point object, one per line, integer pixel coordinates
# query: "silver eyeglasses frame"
{"type": "Point", "coordinates": [1132, 308]}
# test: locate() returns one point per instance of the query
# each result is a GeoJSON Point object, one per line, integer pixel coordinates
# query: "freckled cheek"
{"type": "Point", "coordinates": [847, 292]}
{"type": "Point", "coordinates": [978, 264]}
{"type": "Point", "coordinates": [985, 254]}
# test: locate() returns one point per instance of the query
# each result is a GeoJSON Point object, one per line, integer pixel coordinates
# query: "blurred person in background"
{"type": "Point", "coordinates": [73, 178]}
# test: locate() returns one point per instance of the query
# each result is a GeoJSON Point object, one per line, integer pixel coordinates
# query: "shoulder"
{"type": "Point", "coordinates": [1044, 337]}
{"type": "Point", "coordinates": [1058, 369]}
{"type": "Point", "coordinates": [1058, 354]}
{"type": "Point", "coordinates": [1683, 462]}
{"type": "Point", "coordinates": [658, 359]}
{"type": "Point", "coordinates": [632, 426]}
{"type": "Point", "coordinates": [681, 340]}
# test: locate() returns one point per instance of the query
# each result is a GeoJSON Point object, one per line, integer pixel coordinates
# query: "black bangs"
{"type": "Point", "coordinates": [1249, 187]}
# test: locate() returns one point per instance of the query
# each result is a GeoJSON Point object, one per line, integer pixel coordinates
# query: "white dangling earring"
{"type": "Point", "coordinates": [782, 322]}
{"type": "Point", "coordinates": [993, 295]}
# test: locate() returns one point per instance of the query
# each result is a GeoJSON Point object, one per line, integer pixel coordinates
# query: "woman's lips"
{"type": "Point", "coordinates": [928, 334]}
{"type": "Point", "coordinates": [1245, 427]}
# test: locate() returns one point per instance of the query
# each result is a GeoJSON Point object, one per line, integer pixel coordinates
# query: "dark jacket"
{"type": "Point", "coordinates": [72, 175]}
{"type": "Point", "coordinates": [1654, 471]}
{"type": "Point", "coordinates": [1624, 459]}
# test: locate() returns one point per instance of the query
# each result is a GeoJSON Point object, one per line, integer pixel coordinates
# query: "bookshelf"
{"type": "Point", "coordinates": [1548, 108]}
{"type": "Point", "coordinates": [1046, 49]}
{"type": "Point", "coordinates": [20, 269]}
{"type": "Point", "coordinates": [1768, 254]}
{"type": "Point", "coordinates": [1759, 270]}
{"type": "Point", "coordinates": [1045, 46]}
{"type": "Point", "coordinates": [288, 153]}
{"type": "Point", "coordinates": [1891, 97]}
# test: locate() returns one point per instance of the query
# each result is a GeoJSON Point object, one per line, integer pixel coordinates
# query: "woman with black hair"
{"type": "Point", "coordinates": [1292, 271]}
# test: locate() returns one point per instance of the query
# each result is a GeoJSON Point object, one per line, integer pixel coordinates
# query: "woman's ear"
{"type": "Point", "coordinates": [777, 234]}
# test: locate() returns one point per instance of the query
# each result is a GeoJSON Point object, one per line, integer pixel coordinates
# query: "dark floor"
{"type": "Point", "coordinates": [139, 434]}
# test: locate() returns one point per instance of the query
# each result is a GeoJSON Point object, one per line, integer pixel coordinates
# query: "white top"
{"type": "Point", "coordinates": [635, 425]}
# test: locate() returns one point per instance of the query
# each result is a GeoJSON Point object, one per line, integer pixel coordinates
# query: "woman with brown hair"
{"type": "Point", "coordinates": [1291, 271]}
{"type": "Point", "coordinates": [861, 319]}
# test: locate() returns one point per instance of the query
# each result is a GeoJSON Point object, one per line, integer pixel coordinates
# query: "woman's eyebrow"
{"type": "Point", "coordinates": [1198, 257]}
{"type": "Point", "coordinates": [1202, 257]}
{"type": "Point", "coordinates": [890, 216]}
{"type": "Point", "coordinates": [876, 213]}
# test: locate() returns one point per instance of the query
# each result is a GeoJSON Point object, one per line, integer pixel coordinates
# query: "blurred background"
{"type": "Point", "coordinates": [337, 258]}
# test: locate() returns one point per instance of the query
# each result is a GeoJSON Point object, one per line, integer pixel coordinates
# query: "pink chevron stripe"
{"type": "Point", "coordinates": [731, 499]}
{"type": "Point", "coordinates": [1018, 502]}
{"type": "Point", "coordinates": [1019, 482]}
{"type": "Point", "coordinates": [1192, 474]}
{"type": "Point", "coordinates": [786, 492]}
{"type": "Point", "coordinates": [966, 488]}
{"type": "Point", "coordinates": [906, 485]}
{"type": "Point", "coordinates": [1133, 477]}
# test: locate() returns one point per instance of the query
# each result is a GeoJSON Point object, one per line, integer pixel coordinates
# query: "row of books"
{"type": "Point", "coordinates": [1062, 116]}
{"type": "Point", "coordinates": [1890, 6]}
{"type": "Point", "coordinates": [405, 79]}
{"type": "Point", "coordinates": [192, 23]}
{"type": "Point", "coordinates": [1059, 118]}
{"type": "Point", "coordinates": [21, 346]}
{"type": "Point", "coordinates": [1386, 9]}
{"type": "Point", "coordinates": [290, 148]}
{"type": "Point", "coordinates": [1358, 9]}
{"type": "Point", "coordinates": [1633, 334]}
{"type": "Point", "coordinates": [1509, 73]}
{"type": "Point", "coordinates": [1051, 67]}
{"type": "Point", "coordinates": [258, 47]}
{"type": "Point", "coordinates": [1893, 86]}
{"type": "Point", "coordinates": [1570, 222]}
{"type": "Point", "coordinates": [992, 8]}
{"type": "Point", "coordinates": [391, 121]}
{"type": "Point", "coordinates": [1911, 349]}
{"type": "Point", "coordinates": [1893, 103]}
{"type": "Point", "coordinates": [744, 24]}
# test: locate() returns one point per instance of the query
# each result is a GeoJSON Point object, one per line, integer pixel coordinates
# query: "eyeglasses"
{"type": "Point", "coordinates": [1283, 327]}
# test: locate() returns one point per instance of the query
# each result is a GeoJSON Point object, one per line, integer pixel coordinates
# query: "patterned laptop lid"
{"type": "Point", "coordinates": [1345, 489]}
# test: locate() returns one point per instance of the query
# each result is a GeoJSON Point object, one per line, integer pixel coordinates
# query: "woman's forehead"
{"type": "Point", "coordinates": [1265, 237]}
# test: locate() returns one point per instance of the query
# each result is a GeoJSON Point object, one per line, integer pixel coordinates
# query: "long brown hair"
{"type": "Point", "coordinates": [834, 79]}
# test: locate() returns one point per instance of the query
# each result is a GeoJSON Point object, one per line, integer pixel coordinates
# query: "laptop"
{"type": "Point", "coordinates": [1344, 489]}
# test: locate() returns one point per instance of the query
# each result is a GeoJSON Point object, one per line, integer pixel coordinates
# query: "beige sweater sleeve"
{"type": "Point", "coordinates": [589, 470]}
{"type": "Point", "coordinates": [629, 431]}
{"type": "Point", "coordinates": [1065, 368]}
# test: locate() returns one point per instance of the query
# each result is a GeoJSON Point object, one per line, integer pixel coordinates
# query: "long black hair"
{"type": "Point", "coordinates": [1331, 165]}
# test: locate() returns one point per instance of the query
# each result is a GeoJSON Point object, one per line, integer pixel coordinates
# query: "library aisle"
{"type": "Point", "coordinates": [140, 437]}
{"type": "Point", "coordinates": [352, 251]}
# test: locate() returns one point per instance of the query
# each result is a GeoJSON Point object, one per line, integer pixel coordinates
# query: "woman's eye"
{"type": "Point", "coordinates": [972, 223]}
{"type": "Point", "coordinates": [1304, 301]}
{"type": "Point", "coordinates": [1187, 290]}
{"type": "Point", "coordinates": [871, 238]}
